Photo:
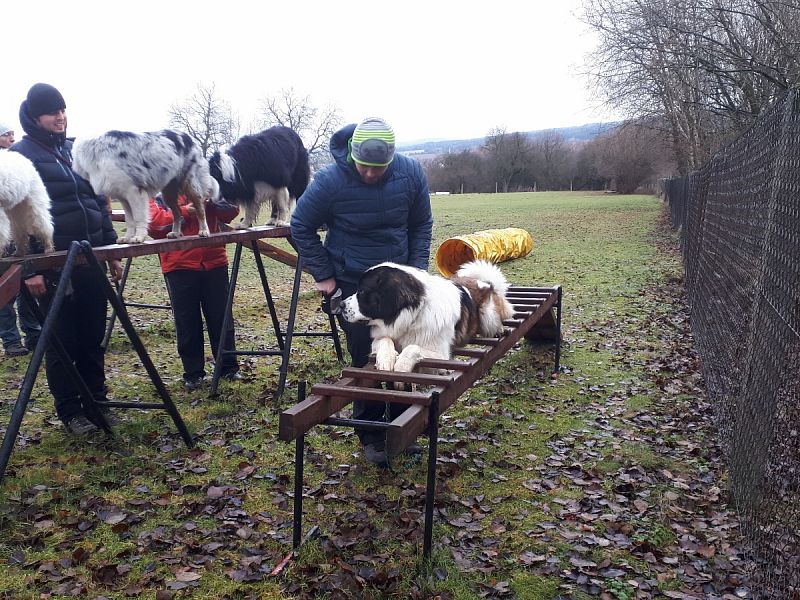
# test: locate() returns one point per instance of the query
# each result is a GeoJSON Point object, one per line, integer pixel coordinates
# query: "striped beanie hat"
{"type": "Point", "coordinates": [372, 143]}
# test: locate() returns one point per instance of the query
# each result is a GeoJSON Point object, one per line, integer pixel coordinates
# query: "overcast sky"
{"type": "Point", "coordinates": [433, 69]}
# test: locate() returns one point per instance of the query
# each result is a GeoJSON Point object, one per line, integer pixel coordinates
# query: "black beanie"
{"type": "Point", "coordinates": [44, 99]}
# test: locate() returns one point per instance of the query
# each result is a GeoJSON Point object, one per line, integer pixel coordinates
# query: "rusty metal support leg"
{"type": "Point", "coordinates": [120, 287]}
{"type": "Point", "coordinates": [297, 519]}
{"type": "Point", "coordinates": [276, 325]}
{"type": "Point", "coordinates": [226, 321]}
{"type": "Point", "coordinates": [287, 344]}
{"type": "Point", "coordinates": [337, 344]}
{"type": "Point", "coordinates": [46, 337]}
{"type": "Point", "coordinates": [125, 321]}
{"type": "Point", "coordinates": [430, 489]}
{"type": "Point", "coordinates": [558, 330]}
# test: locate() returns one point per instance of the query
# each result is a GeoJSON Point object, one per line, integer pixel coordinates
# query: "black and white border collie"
{"type": "Point", "coordinates": [24, 204]}
{"type": "Point", "coordinates": [414, 315]}
{"type": "Point", "coordinates": [271, 165]}
{"type": "Point", "coordinates": [134, 167]}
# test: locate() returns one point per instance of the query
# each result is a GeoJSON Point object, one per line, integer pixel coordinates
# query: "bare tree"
{"type": "Point", "coordinates": [705, 68]}
{"type": "Point", "coordinates": [551, 159]}
{"type": "Point", "coordinates": [313, 124]}
{"type": "Point", "coordinates": [629, 156]}
{"type": "Point", "coordinates": [507, 155]}
{"type": "Point", "coordinates": [459, 173]}
{"type": "Point", "coordinates": [207, 118]}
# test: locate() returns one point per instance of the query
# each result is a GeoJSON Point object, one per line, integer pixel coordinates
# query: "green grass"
{"type": "Point", "coordinates": [600, 248]}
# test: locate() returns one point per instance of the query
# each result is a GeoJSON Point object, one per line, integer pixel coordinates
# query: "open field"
{"type": "Point", "coordinates": [605, 481]}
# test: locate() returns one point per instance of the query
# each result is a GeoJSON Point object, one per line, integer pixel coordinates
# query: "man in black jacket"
{"type": "Point", "coordinates": [78, 214]}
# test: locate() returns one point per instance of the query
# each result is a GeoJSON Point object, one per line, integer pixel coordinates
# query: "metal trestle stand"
{"type": "Point", "coordinates": [48, 337]}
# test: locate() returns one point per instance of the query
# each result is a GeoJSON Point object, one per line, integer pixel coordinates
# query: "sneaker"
{"type": "Point", "coordinates": [194, 383]}
{"type": "Point", "coordinates": [232, 376]}
{"type": "Point", "coordinates": [30, 342]}
{"type": "Point", "coordinates": [16, 349]}
{"type": "Point", "coordinates": [376, 454]}
{"type": "Point", "coordinates": [79, 425]}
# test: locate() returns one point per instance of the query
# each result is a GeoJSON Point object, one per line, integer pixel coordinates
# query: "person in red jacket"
{"type": "Point", "coordinates": [197, 281]}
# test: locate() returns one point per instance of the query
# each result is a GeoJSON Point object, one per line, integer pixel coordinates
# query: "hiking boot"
{"type": "Point", "coordinates": [194, 383]}
{"type": "Point", "coordinates": [16, 349]}
{"type": "Point", "coordinates": [31, 341]}
{"type": "Point", "coordinates": [109, 415]}
{"type": "Point", "coordinates": [79, 425]}
{"type": "Point", "coordinates": [411, 450]}
{"type": "Point", "coordinates": [376, 454]}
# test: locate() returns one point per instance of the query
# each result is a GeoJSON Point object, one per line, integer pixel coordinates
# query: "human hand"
{"type": "Point", "coordinates": [327, 286]}
{"type": "Point", "coordinates": [116, 268]}
{"type": "Point", "coordinates": [36, 286]}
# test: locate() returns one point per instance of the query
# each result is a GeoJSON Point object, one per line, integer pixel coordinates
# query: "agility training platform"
{"type": "Point", "coordinates": [537, 317]}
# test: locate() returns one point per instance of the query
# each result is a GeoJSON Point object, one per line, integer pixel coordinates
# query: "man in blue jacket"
{"type": "Point", "coordinates": [78, 214]}
{"type": "Point", "coordinates": [377, 208]}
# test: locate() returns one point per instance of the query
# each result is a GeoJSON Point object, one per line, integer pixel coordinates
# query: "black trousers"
{"type": "Point", "coordinates": [80, 326]}
{"type": "Point", "coordinates": [359, 345]}
{"type": "Point", "coordinates": [195, 295]}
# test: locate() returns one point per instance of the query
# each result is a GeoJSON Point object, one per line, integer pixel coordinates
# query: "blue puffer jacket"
{"type": "Point", "coordinates": [78, 213]}
{"type": "Point", "coordinates": [367, 224]}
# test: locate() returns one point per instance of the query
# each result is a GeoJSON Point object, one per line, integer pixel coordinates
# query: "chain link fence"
{"type": "Point", "coordinates": [740, 235]}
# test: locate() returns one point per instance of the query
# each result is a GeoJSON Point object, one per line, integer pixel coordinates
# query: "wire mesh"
{"type": "Point", "coordinates": [739, 218]}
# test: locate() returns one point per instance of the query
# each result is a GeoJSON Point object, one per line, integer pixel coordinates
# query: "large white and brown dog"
{"type": "Point", "coordinates": [134, 167]}
{"type": "Point", "coordinates": [414, 315]}
{"type": "Point", "coordinates": [270, 166]}
{"type": "Point", "coordinates": [24, 204]}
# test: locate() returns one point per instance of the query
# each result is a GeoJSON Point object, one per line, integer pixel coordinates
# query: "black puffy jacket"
{"type": "Point", "coordinates": [78, 213]}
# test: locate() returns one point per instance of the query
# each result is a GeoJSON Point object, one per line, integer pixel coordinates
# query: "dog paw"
{"type": "Point", "coordinates": [138, 239]}
{"type": "Point", "coordinates": [171, 235]}
{"type": "Point", "coordinates": [203, 233]}
{"type": "Point", "coordinates": [242, 225]}
{"type": "Point", "coordinates": [385, 361]}
{"type": "Point", "coordinates": [278, 223]}
{"type": "Point", "coordinates": [404, 364]}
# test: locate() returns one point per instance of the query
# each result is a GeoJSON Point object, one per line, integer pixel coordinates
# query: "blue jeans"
{"type": "Point", "coordinates": [8, 323]}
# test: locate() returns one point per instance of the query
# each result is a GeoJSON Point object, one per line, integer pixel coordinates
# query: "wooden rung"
{"type": "Point", "coordinates": [520, 315]}
{"type": "Point", "coordinates": [486, 341]}
{"type": "Point", "coordinates": [525, 301]}
{"type": "Point", "coordinates": [475, 352]}
{"type": "Point", "coordinates": [375, 375]}
{"type": "Point", "coordinates": [513, 322]}
{"type": "Point", "coordinates": [514, 288]}
{"type": "Point", "coordinates": [367, 393]}
{"type": "Point", "coordinates": [450, 365]}
{"type": "Point", "coordinates": [532, 295]}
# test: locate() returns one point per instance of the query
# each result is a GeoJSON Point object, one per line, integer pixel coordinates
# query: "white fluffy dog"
{"type": "Point", "coordinates": [24, 204]}
{"type": "Point", "coordinates": [134, 167]}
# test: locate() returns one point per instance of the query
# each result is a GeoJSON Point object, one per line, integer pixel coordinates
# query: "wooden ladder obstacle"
{"type": "Point", "coordinates": [534, 312]}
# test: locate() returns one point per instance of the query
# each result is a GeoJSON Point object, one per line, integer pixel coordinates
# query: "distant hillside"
{"type": "Point", "coordinates": [435, 147]}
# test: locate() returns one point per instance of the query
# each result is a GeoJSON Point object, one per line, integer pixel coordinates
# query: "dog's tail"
{"type": "Point", "coordinates": [483, 270]}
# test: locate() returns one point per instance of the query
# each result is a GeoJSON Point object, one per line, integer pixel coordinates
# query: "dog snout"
{"type": "Point", "coordinates": [349, 310]}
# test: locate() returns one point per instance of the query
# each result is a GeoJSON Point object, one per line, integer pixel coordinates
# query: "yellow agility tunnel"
{"type": "Point", "coordinates": [493, 245]}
